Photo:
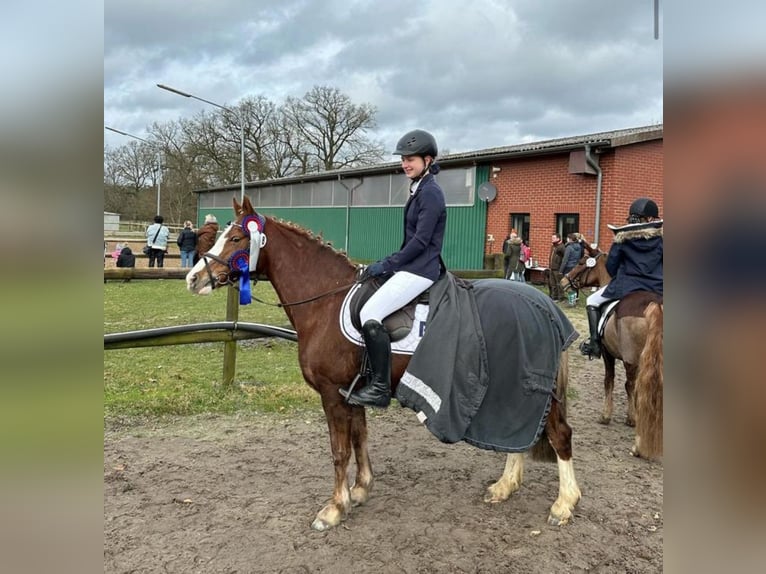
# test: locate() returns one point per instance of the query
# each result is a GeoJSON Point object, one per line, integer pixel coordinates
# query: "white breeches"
{"type": "Point", "coordinates": [597, 299]}
{"type": "Point", "coordinates": [395, 293]}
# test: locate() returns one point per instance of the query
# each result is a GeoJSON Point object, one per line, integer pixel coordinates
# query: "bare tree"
{"type": "Point", "coordinates": [130, 174]}
{"type": "Point", "coordinates": [182, 173]}
{"type": "Point", "coordinates": [322, 131]}
{"type": "Point", "coordinates": [331, 130]}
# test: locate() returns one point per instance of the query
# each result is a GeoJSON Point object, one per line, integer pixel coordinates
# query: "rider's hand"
{"type": "Point", "coordinates": [375, 269]}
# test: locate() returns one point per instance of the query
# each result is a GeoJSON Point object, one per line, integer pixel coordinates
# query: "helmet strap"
{"type": "Point", "coordinates": [426, 169]}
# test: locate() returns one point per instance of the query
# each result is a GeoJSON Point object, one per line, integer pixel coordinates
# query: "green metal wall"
{"type": "Point", "coordinates": [374, 232]}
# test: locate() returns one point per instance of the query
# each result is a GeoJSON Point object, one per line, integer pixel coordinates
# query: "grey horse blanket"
{"type": "Point", "coordinates": [485, 370]}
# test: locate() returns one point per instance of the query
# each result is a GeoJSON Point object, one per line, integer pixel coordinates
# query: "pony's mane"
{"type": "Point", "coordinates": [316, 239]}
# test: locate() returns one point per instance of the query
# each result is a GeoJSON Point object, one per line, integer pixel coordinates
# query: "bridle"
{"type": "Point", "coordinates": [224, 277]}
{"type": "Point", "coordinates": [242, 262]}
{"type": "Point", "coordinates": [575, 281]}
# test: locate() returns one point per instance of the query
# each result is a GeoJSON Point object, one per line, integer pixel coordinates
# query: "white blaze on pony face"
{"type": "Point", "coordinates": [198, 280]}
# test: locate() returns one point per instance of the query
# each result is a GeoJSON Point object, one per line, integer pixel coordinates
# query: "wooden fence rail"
{"type": "Point", "coordinates": [228, 332]}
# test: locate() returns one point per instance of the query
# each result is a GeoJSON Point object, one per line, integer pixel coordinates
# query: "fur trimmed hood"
{"type": "Point", "coordinates": [644, 232]}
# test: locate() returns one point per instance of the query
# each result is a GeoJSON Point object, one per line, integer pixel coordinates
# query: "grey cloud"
{"type": "Point", "coordinates": [479, 73]}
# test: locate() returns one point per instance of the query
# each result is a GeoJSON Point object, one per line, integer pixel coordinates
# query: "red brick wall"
{"type": "Point", "coordinates": [543, 187]}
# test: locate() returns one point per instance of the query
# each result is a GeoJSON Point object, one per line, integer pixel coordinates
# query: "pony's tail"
{"type": "Point", "coordinates": [542, 449]}
{"type": "Point", "coordinates": [649, 386]}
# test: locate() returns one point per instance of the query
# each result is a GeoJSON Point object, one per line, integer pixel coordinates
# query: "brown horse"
{"type": "Point", "coordinates": [632, 334]}
{"type": "Point", "coordinates": [311, 280]}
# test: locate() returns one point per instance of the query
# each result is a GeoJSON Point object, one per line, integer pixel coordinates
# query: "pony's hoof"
{"type": "Point", "coordinates": [604, 420]}
{"type": "Point", "coordinates": [493, 498]}
{"type": "Point", "coordinates": [558, 521]}
{"type": "Point", "coordinates": [329, 517]}
{"type": "Point", "coordinates": [499, 493]}
{"type": "Point", "coordinates": [320, 525]}
{"type": "Point", "coordinates": [359, 495]}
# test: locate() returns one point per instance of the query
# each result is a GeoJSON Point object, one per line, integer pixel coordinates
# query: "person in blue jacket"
{"type": "Point", "coordinates": [408, 272]}
{"type": "Point", "coordinates": [634, 262]}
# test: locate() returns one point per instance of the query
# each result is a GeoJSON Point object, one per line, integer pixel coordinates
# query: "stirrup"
{"type": "Point", "coordinates": [588, 351]}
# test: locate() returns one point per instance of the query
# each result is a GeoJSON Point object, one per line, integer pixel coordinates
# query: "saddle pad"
{"type": "Point", "coordinates": [405, 346]}
{"type": "Point", "coordinates": [605, 315]}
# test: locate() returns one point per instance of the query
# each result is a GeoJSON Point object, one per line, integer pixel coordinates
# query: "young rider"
{"type": "Point", "coordinates": [411, 270]}
{"type": "Point", "coordinates": [634, 262]}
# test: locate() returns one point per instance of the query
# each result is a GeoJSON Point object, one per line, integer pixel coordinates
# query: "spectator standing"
{"type": "Point", "coordinates": [572, 254]}
{"type": "Point", "coordinates": [525, 260]}
{"type": "Point", "coordinates": [206, 236]}
{"type": "Point", "coordinates": [554, 264]}
{"type": "Point", "coordinates": [187, 242]}
{"type": "Point", "coordinates": [157, 236]}
{"type": "Point", "coordinates": [514, 261]}
{"type": "Point", "coordinates": [506, 255]}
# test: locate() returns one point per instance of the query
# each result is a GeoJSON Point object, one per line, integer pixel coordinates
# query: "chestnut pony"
{"type": "Point", "coordinates": [311, 280]}
{"type": "Point", "coordinates": [633, 334]}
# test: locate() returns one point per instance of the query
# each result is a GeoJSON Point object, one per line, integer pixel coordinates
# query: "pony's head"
{"type": "Point", "coordinates": [234, 255]}
{"type": "Point", "coordinates": [584, 273]}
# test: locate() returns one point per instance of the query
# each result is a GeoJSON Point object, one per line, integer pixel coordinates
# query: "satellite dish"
{"type": "Point", "coordinates": [487, 192]}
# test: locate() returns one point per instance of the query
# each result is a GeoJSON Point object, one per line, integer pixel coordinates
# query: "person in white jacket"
{"type": "Point", "coordinates": [157, 241]}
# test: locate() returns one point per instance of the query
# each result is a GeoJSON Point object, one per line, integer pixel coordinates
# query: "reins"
{"type": "Point", "coordinates": [310, 299]}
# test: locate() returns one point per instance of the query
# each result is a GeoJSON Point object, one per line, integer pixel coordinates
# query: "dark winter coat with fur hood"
{"type": "Point", "coordinates": [635, 261]}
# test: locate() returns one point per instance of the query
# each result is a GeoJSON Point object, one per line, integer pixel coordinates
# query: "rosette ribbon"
{"type": "Point", "coordinates": [252, 225]}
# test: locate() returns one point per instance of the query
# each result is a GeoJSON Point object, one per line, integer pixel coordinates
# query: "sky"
{"type": "Point", "coordinates": [476, 74]}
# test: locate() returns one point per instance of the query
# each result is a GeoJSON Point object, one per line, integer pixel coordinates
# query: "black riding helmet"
{"type": "Point", "coordinates": [644, 207]}
{"type": "Point", "coordinates": [417, 142]}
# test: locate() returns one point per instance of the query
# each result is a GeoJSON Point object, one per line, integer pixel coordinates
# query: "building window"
{"type": "Point", "coordinates": [382, 190]}
{"type": "Point", "coordinates": [520, 222]}
{"type": "Point", "coordinates": [567, 223]}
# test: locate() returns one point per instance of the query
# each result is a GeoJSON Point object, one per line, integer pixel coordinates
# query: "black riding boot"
{"type": "Point", "coordinates": [377, 391]}
{"type": "Point", "coordinates": [592, 347]}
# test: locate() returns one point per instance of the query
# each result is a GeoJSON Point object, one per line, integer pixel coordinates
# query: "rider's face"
{"type": "Point", "coordinates": [413, 165]}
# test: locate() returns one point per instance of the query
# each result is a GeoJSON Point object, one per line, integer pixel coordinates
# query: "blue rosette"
{"type": "Point", "coordinates": [240, 261]}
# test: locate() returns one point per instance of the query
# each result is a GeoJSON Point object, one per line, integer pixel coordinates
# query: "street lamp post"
{"type": "Point", "coordinates": [159, 159]}
{"type": "Point", "coordinates": [241, 119]}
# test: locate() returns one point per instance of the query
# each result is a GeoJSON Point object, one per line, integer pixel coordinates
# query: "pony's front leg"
{"type": "Point", "coordinates": [339, 417]}
{"type": "Point", "coordinates": [360, 491]}
{"type": "Point", "coordinates": [510, 482]}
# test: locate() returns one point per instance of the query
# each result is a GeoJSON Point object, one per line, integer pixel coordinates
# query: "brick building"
{"type": "Point", "coordinates": [579, 183]}
{"type": "Point", "coordinates": [551, 186]}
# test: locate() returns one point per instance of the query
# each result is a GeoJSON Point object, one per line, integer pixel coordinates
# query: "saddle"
{"type": "Point", "coordinates": [399, 323]}
{"type": "Point", "coordinates": [633, 305]}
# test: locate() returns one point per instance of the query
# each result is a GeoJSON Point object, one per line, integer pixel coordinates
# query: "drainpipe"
{"type": "Point", "coordinates": [348, 207]}
{"type": "Point", "coordinates": [591, 162]}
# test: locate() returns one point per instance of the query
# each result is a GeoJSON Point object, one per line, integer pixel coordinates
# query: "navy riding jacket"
{"type": "Point", "coordinates": [425, 220]}
{"type": "Point", "coordinates": [635, 262]}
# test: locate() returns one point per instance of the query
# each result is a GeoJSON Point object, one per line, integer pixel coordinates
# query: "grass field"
{"type": "Point", "coordinates": [186, 379]}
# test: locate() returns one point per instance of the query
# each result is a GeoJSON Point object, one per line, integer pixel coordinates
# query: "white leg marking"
{"type": "Point", "coordinates": [334, 512]}
{"type": "Point", "coordinates": [510, 482]}
{"type": "Point", "coordinates": [360, 493]}
{"type": "Point", "coordinates": [569, 494]}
